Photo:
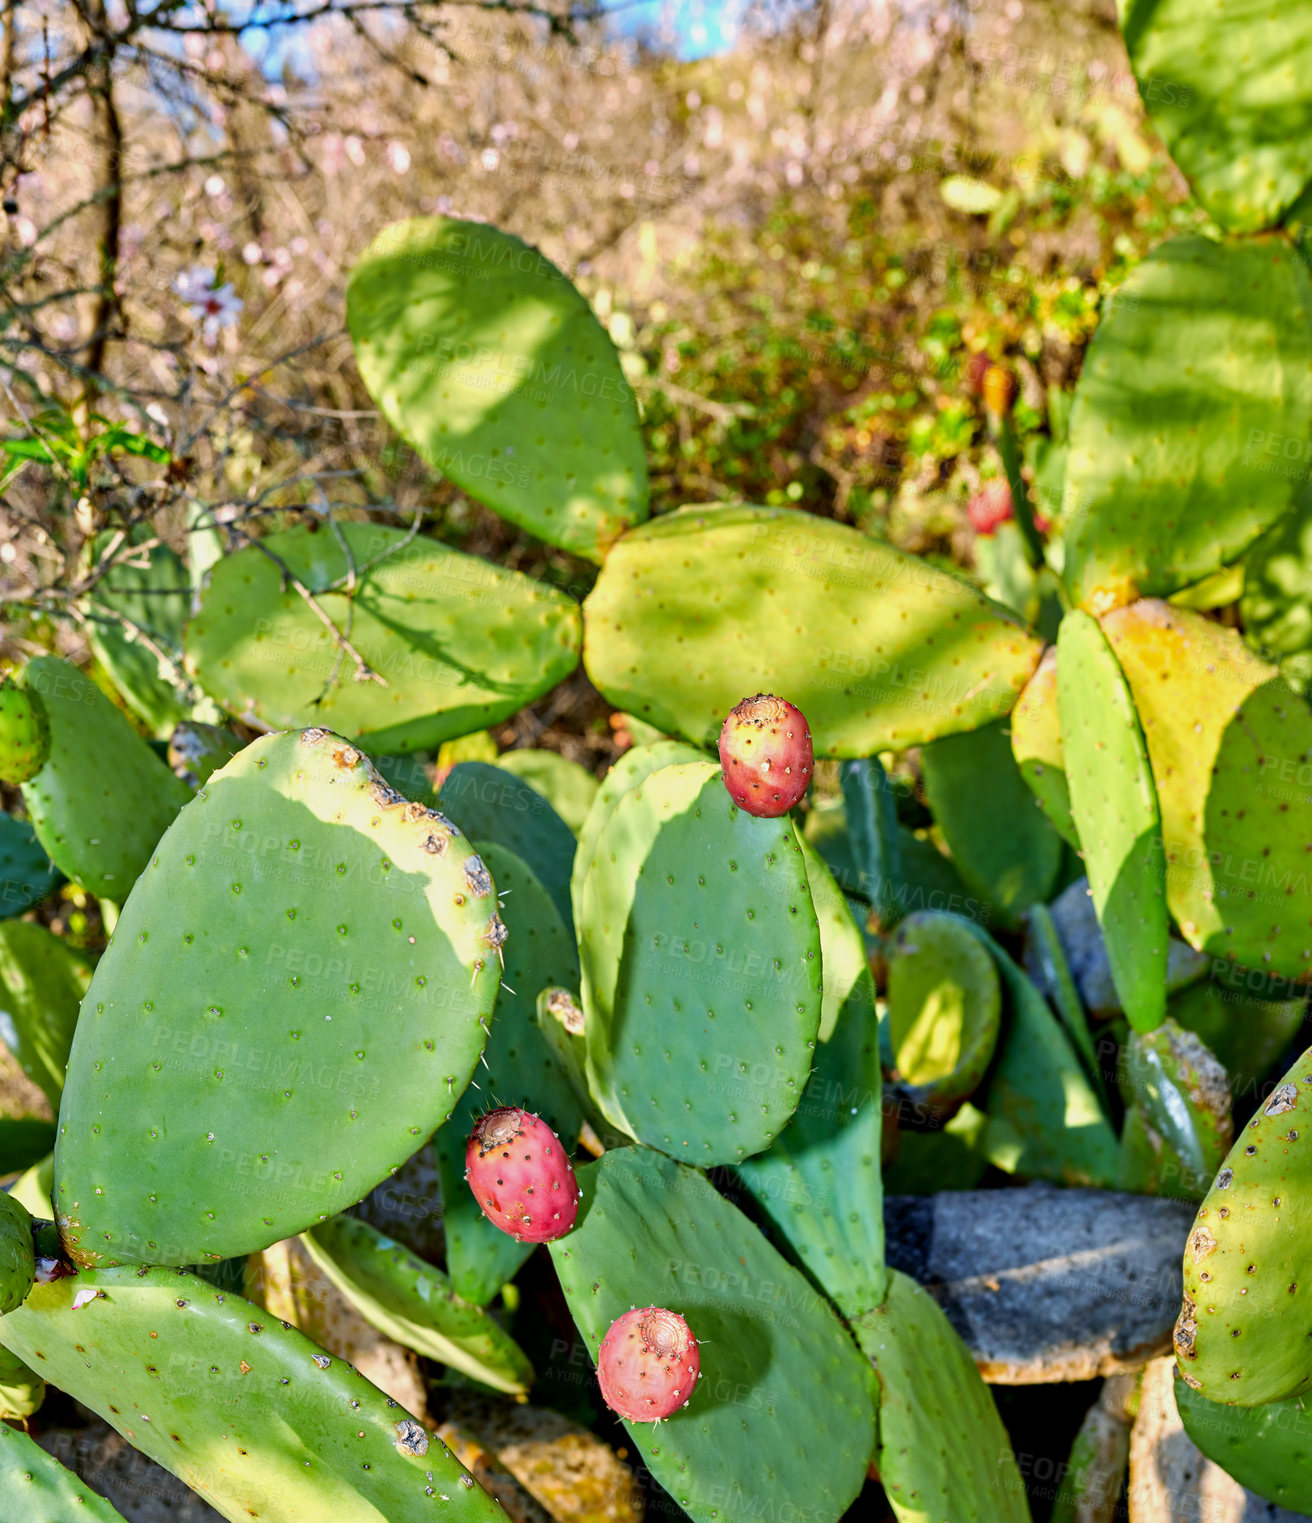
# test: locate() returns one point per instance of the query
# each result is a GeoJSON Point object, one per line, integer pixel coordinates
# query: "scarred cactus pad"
{"type": "Point", "coordinates": [765, 750]}
{"type": "Point", "coordinates": [521, 1176]}
{"type": "Point", "coordinates": [648, 1364]}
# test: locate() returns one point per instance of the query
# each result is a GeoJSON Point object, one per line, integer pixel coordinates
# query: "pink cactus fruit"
{"type": "Point", "coordinates": [648, 1364]}
{"type": "Point", "coordinates": [766, 754]}
{"type": "Point", "coordinates": [521, 1176]}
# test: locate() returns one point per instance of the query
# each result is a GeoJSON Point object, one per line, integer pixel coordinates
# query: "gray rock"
{"type": "Point", "coordinates": [1171, 1481]}
{"type": "Point", "coordinates": [143, 1491]}
{"type": "Point", "coordinates": [1046, 1284]}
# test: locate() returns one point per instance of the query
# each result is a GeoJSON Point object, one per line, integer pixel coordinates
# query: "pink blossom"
{"type": "Point", "coordinates": [213, 307]}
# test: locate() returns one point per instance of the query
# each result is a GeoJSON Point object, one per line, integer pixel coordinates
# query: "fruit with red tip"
{"type": "Point", "coordinates": [766, 754]}
{"type": "Point", "coordinates": [990, 507]}
{"type": "Point", "coordinates": [521, 1176]}
{"type": "Point", "coordinates": [648, 1364]}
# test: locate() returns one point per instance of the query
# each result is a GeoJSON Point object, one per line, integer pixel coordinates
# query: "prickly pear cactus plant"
{"type": "Point", "coordinates": [754, 995]}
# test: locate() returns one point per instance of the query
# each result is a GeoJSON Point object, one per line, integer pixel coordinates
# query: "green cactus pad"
{"type": "Point", "coordinates": [1277, 603]}
{"type": "Point", "coordinates": [460, 643]}
{"type": "Point", "coordinates": [819, 1183]}
{"type": "Point", "coordinates": [950, 1158]}
{"type": "Point", "coordinates": [1036, 745]}
{"type": "Point", "coordinates": [566, 786]}
{"type": "Point", "coordinates": [782, 1413]}
{"type": "Point", "coordinates": [944, 1008]}
{"type": "Point", "coordinates": [414, 1304]}
{"type": "Point", "coordinates": [700, 952]}
{"type": "Point", "coordinates": [491, 805]}
{"type": "Point", "coordinates": [870, 814]}
{"type": "Point", "coordinates": [1114, 806]}
{"type": "Point", "coordinates": [24, 734]}
{"type": "Point", "coordinates": [1182, 1096]}
{"type": "Point", "coordinates": [1268, 1449]}
{"type": "Point", "coordinates": [630, 770]}
{"type": "Point", "coordinates": [42, 981]}
{"type": "Point", "coordinates": [32, 1187]}
{"type": "Point", "coordinates": [246, 1410]}
{"type": "Point", "coordinates": [1008, 853]}
{"type": "Point", "coordinates": [27, 875]}
{"type": "Point", "coordinates": [1245, 1333]}
{"type": "Point", "coordinates": [36, 1487]}
{"type": "Point", "coordinates": [1226, 739]}
{"type": "Point", "coordinates": [702, 607]}
{"type": "Point", "coordinates": [295, 996]}
{"type": "Point", "coordinates": [1204, 358]}
{"type": "Point", "coordinates": [491, 364]}
{"type": "Point", "coordinates": [943, 1452]}
{"type": "Point", "coordinates": [1227, 93]}
{"type": "Point", "coordinates": [519, 1068]}
{"type": "Point", "coordinates": [1248, 1035]}
{"type": "Point", "coordinates": [1045, 1120]}
{"type": "Point", "coordinates": [143, 600]}
{"type": "Point", "coordinates": [21, 1391]}
{"type": "Point", "coordinates": [17, 1265]}
{"type": "Point", "coordinates": [103, 798]}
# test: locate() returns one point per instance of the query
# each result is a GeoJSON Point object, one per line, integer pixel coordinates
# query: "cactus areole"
{"type": "Point", "coordinates": [766, 753]}
{"type": "Point", "coordinates": [521, 1176]}
{"type": "Point", "coordinates": [648, 1364]}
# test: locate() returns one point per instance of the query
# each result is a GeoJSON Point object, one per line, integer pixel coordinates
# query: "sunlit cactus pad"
{"type": "Point", "coordinates": [457, 642]}
{"type": "Point", "coordinates": [245, 1409]}
{"type": "Point", "coordinates": [705, 606]}
{"type": "Point", "coordinates": [295, 996]}
{"type": "Point", "coordinates": [488, 360]}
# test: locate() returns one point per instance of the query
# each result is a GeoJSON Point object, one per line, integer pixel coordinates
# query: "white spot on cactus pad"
{"type": "Point", "coordinates": [1283, 1099]}
{"type": "Point", "coordinates": [411, 1438]}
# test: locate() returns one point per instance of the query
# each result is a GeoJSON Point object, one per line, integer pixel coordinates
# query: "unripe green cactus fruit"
{"type": "Point", "coordinates": [700, 952]}
{"type": "Point", "coordinates": [414, 1304]}
{"type": "Point", "coordinates": [17, 1263]}
{"type": "Point", "coordinates": [1245, 1333]}
{"type": "Point", "coordinates": [467, 339]}
{"type": "Point", "coordinates": [1114, 807]}
{"type": "Point", "coordinates": [1179, 1101]}
{"type": "Point", "coordinates": [294, 998]}
{"type": "Point", "coordinates": [1224, 735]}
{"type": "Point", "coordinates": [782, 1412]}
{"type": "Point", "coordinates": [943, 1452]}
{"type": "Point", "coordinates": [458, 642]}
{"type": "Point", "coordinates": [35, 1486]}
{"type": "Point", "coordinates": [24, 734]}
{"type": "Point", "coordinates": [246, 1410]}
{"type": "Point", "coordinates": [880, 651]}
{"type": "Point", "coordinates": [944, 1008]}
{"type": "Point", "coordinates": [103, 798]}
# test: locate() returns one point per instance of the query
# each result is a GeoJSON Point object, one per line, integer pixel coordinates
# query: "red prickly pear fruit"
{"type": "Point", "coordinates": [766, 754]}
{"type": "Point", "coordinates": [521, 1176]}
{"type": "Point", "coordinates": [990, 507]}
{"type": "Point", "coordinates": [648, 1364]}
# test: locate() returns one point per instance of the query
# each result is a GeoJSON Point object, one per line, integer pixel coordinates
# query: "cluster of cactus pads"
{"type": "Point", "coordinates": [684, 1026]}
